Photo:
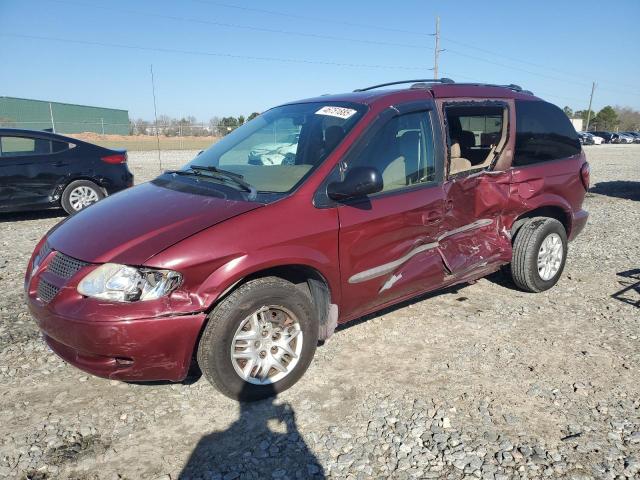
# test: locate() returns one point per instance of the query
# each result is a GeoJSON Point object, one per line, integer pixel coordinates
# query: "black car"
{"type": "Point", "coordinates": [607, 137]}
{"type": "Point", "coordinates": [586, 138]}
{"type": "Point", "coordinates": [40, 170]}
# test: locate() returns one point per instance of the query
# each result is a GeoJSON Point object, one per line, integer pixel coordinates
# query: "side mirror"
{"type": "Point", "coordinates": [359, 182]}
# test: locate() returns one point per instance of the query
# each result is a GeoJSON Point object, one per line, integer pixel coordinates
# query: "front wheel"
{"type": "Point", "coordinates": [259, 340]}
{"type": "Point", "coordinates": [539, 254]}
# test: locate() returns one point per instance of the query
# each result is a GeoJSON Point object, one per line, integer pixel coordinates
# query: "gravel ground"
{"type": "Point", "coordinates": [482, 381]}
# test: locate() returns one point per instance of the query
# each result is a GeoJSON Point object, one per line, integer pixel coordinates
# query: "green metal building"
{"type": "Point", "coordinates": [62, 117]}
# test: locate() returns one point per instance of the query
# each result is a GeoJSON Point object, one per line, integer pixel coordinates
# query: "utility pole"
{"type": "Point", "coordinates": [155, 114]}
{"type": "Point", "coordinates": [593, 87]}
{"type": "Point", "coordinates": [53, 125]}
{"type": "Point", "coordinates": [436, 52]}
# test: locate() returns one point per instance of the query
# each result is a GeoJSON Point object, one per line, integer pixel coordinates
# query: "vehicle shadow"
{"type": "Point", "coordinates": [619, 189]}
{"type": "Point", "coordinates": [32, 215]}
{"type": "Point", "coordinates": [264, 442]}
{"type": "Point", "coordinates": [630, 292]}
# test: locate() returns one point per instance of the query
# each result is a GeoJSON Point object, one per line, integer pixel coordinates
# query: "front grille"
{"type": "Point", "coordinates": [64, 266]}
{"type": "Point", "coordinates": [46, 291]}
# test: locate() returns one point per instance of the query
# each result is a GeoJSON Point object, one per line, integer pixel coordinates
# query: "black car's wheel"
{"type": "Point", "coordinates": [539, 254]}
{"type": "Point", "coordinates": [259, 340]}
{"type": "Point", "coordinates": [79, 194]}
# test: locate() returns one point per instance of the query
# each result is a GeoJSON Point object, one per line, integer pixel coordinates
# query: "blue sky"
{"type": "Point", "coordinates": [219, 57]}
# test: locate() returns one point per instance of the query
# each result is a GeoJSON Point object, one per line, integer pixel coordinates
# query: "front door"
{"type": "Point", "coordinates": [26, 171]}
{"type": "Point", "coordinates": [388, 241]}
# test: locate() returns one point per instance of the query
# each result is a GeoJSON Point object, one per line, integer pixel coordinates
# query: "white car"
{"type": "Point", "coordinates": [621, 138]}
{"type": "Point", "coordinates": [591, 139]}
{"type": "Point", "coordinates": [596, 139]}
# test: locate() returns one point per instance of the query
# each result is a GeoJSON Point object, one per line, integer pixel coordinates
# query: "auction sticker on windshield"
{"type": "Point", "coordinates": [339, 112]}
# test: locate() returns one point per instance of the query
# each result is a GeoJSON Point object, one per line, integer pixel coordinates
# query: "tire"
{"type": "Point", "coordinates": [527, 249]}
{"type": "Point", "coordinates": [79, 194]}
{"type": "Point", "coordinates": [225, 323]}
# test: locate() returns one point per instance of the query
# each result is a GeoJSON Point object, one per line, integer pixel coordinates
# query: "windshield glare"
{"type": "Point", "coordinates": [281, 147]}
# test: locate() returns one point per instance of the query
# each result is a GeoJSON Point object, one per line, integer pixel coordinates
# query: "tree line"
{"type": "Point", "coordinates": [188, 126]}
{"type": "Point", "coordinates": [609, 118]}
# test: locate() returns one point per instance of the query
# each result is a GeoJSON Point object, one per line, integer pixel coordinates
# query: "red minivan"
{"type": "Point", "coordinates": [315, 213]}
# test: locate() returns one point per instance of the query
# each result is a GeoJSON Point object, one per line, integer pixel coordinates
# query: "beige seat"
{"type": "Point", "coordinates": [458, 164]}
{"type": "Point", "coordinates": [403, 169]}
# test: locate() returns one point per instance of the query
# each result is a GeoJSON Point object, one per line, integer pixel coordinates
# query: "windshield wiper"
{"type": "Point", "coordinates": [219, 174]}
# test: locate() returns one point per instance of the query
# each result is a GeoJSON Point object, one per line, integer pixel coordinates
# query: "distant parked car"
{"type": "Point", "coordinates": [587, 138]}
{"type": "Point", "coordinates": [596, 139]}
{"type": "Point", "coordinates": [606, 136]}
{"type": "Point", "coordinates": [41, 170]}
{"type": "Point", "coordinates": [620, 137]}
{"type": "Point", "coordinates": [635, 136]}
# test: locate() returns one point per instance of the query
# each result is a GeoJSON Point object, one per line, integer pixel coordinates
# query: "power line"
{"type": "Point", "coordinates": [241, 26]}
{"type": "Point", "coordinates": [538, 74]}
{"type": "Point", "coordinates": [480, 59]}
{"type": "Point", "coordinates": [347, 39]}
{"type": "Point", "coordinates": [213, 54]}
{"type": "Point", "coordinates": [332, 21]}
{"type": "Point", "coordinates": [413, 32]}
{"type": "Point", "coordinates": [546, 67]}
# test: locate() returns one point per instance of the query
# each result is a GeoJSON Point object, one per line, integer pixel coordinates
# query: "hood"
{"type": "Point", "coordinates": [137, 223]}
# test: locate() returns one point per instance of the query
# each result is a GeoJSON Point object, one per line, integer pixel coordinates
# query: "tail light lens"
{"type": "Point", "coordinates": [585, 175]}
{"type": "Point", "coordinates": [115, 159]}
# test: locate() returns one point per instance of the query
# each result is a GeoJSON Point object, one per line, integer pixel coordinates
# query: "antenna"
{"type": "Point", "coordinates": [155, 114]}
{"type": "Point", "coordinates": [437, 51]}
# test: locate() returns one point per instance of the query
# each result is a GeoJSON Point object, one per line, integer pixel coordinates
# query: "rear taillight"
{"type": "Point", "coordinates": [585, 175]}
{"type": "Point", "coordinates": [114, 159]}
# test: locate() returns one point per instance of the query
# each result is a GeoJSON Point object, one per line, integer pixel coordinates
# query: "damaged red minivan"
{"type": "Point", "coordinates": [315, 213]}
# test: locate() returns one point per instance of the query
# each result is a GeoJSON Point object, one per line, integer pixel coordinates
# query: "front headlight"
{"type": "Point", "coordinates": [121, 283]}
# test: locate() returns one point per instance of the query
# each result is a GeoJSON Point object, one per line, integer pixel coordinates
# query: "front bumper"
{"type": "Point", "coordinates": [147, 349]}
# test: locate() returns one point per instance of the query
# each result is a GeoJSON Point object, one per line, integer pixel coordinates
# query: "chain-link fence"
{"type": "Point", "coordinates": [136, 135]}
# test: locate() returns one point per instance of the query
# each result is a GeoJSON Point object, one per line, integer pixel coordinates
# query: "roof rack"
{"type": "Point", "coordinates": [511, 86]}
{"type": "Point", "coordinates": [421, 80]}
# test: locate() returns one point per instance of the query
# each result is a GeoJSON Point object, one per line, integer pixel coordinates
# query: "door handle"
{"type": "Point", "coordinates": [431, 217]}
{"type": "Point", "coordinates": [448, 205]}
{"type": "Point", "coordinates": [60, 164]}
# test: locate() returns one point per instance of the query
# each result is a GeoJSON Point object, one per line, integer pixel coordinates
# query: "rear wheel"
{"type": "Point", "coordinates": [259, 340]}
{"type": "Point", "coordinates": [539, 254]}
{"type": "Point", "coordinates": [79, 194]}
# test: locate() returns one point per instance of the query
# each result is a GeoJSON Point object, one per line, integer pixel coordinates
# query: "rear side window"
{"type": "Point", "coordinates": [57, 146]}
{"type": "Point", "coordinates": [543, 133]}
{"type": "Point", "coordinates": [18, 146]}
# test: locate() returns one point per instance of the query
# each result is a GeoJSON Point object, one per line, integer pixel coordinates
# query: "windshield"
{"type": "Point", "coordinates": [278, 149]}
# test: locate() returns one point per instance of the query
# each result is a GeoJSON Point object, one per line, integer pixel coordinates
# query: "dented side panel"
{"type": "Point", "coordinates": [473, 232]}
{"type": "Point", "coordinates": [388, 248]}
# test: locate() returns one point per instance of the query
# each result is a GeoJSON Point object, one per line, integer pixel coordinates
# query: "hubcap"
{"type": "Point", "coordinates": [267, 345]}
{"type": "Point", "coordinates": [550, 256]}
{"type": "Point", "coordinates": [82, 197]}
